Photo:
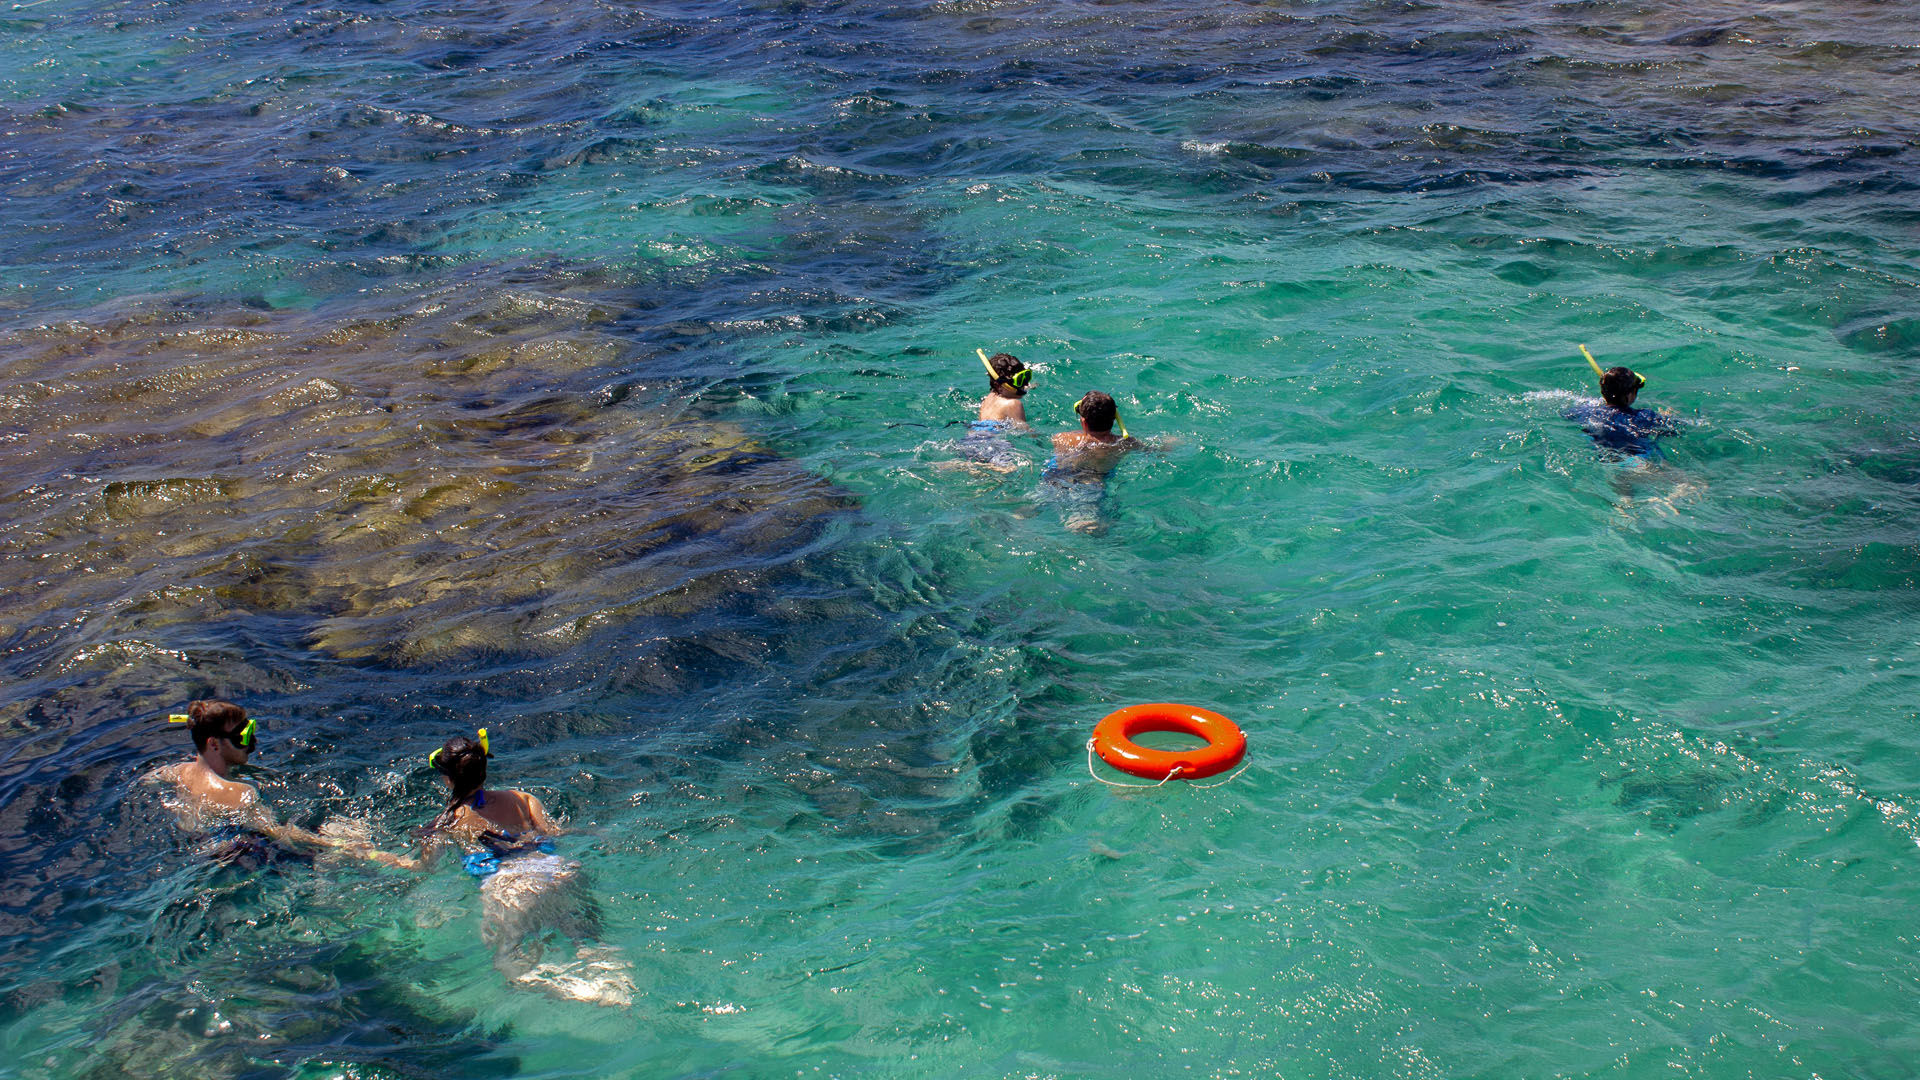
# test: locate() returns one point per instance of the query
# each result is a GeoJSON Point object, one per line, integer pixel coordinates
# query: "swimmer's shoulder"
{"type": "Point", "coordinates": [206, 790]}
{"type": "Point", "coordinates": [995, 407]}
{"type": "Point", "coordinates": [509, 809]}
{"type": "Point", "coordinates": [229, 795]}
{"type": "Point", "coordinates": [537, 814]}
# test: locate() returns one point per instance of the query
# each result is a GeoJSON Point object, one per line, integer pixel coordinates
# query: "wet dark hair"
{"type": "Point", "coordinates": [1098, 410]}
{"type": "Point", "coordinates": [1617, 386]}
{"type": "Point", "coordinates": [464, 762]}
{"type": "Point", "coordinates": [215, 720]}
{"type": "Point", "coordinates": [1005, 366]}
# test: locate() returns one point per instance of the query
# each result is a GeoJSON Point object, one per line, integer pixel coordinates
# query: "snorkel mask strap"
{"type": "Point", "coordinates": [243, 740]}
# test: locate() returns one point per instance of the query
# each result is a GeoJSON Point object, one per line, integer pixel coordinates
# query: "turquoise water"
{"type": "Point", "coordinates": [590, 374]}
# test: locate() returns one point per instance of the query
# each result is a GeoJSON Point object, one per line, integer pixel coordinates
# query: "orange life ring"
{"type": "Point", "coordinates": [1113, 741]}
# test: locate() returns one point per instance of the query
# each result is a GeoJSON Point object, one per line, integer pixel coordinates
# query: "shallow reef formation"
{"type": "Point", "coordinates": [445, 479]}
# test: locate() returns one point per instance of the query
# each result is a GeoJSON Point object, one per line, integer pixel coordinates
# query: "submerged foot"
{"type": "Point", "coordinates": [596, 976]}
{"type": "Point", "coordinates": [986, 470]}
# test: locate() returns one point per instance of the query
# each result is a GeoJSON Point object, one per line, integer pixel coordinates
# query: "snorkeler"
{"type": "Point", "coordinates": [1007, 382]}
{"type": "Point", "coordinates": [526, 889]}
{"type": "Point", "coordinates": [1613, 423]}
{"type": "Point", "coordinates": [206, 799]}
{"type": "Point", "coordinates": [1001, 413]}
{"type": "Point", "coordinates": [1075, 478]}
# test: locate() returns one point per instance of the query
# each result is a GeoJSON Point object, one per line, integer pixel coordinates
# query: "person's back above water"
{"type": "Point", "coordinates": [1613, 423]}
{"type": "Point", "coordinates": [1001, 413]}
{"type": "Point", "coordinates": [1091, 452]}
{"type": "Point", "coordinates": [1075, 480]}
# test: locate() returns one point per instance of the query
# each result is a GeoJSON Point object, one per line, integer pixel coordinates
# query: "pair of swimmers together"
{"type": "Point", "coordinates": [1075, 477]}
{"type": "Point", "coordinates": [526, 890]}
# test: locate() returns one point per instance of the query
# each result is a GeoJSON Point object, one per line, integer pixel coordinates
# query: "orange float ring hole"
{"type": "Point", "coordinates": [1113, 741]}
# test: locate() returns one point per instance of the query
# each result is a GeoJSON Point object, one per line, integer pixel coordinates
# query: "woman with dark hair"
{"type": "Point", "coordinates": [526, 890]}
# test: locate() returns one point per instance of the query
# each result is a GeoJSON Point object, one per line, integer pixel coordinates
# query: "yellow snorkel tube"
{"type": "Point", "coordinates": [1591, 362]}
{"type": "Point", "coordinates": [1019, 380]}
{"type": "Point", "coordinates": [1639, 379]}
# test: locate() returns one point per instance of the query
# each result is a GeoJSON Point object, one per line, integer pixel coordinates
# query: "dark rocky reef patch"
{"type": "Point", "coordinates": [436, 482]}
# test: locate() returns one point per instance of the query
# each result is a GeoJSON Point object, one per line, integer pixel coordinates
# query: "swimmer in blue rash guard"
{"type": "Point", "coordinates": [1614, 424]}
{"type": "Point", "coordinates": [1001, 414]}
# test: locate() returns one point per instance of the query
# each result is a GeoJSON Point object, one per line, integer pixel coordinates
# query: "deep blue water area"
{"type": "Point", "coordinates": [593, 373]}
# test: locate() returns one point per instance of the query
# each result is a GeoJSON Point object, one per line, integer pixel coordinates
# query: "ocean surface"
{"type": "Point", "coordinates": [592, 373]}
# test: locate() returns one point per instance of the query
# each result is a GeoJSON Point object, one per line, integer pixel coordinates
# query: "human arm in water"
{"type": "Point", "coordinates": [331, 837]}
{"type": "Point", "coordinates": [429, 853]}
{"type": "Point", "coordinates": [206, 799]}
{"type": "Point", "coordinates": [430, 847]}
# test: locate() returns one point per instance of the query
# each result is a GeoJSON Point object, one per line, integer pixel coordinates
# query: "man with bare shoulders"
{"type": "Point", "coordinates": [1076, 478]}
{"type": "Point", "coordinates": [207, 800]}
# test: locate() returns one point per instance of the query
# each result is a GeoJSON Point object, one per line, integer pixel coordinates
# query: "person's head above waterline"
{"type": "Point", "coordinates": [219, 727]}
{"type": "Point", "coordinates": [1097, 412]}
{"type": "Point", "coordinates": [463, 762]}
{"type": "Point", "coordinates": [1007, 376]}
{"type": "Point", "coordinates": [1619, 386]}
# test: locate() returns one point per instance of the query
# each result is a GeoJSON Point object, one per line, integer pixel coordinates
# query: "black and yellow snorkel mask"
{"type": "Point", "coordinates": [244, 739]}
{"type": "Point", "coordinates": [480, 736]}
{"type": "Point", "coordinates": [1639, 380]}
{"type": "Point", "coordinates": [1019, 380]}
